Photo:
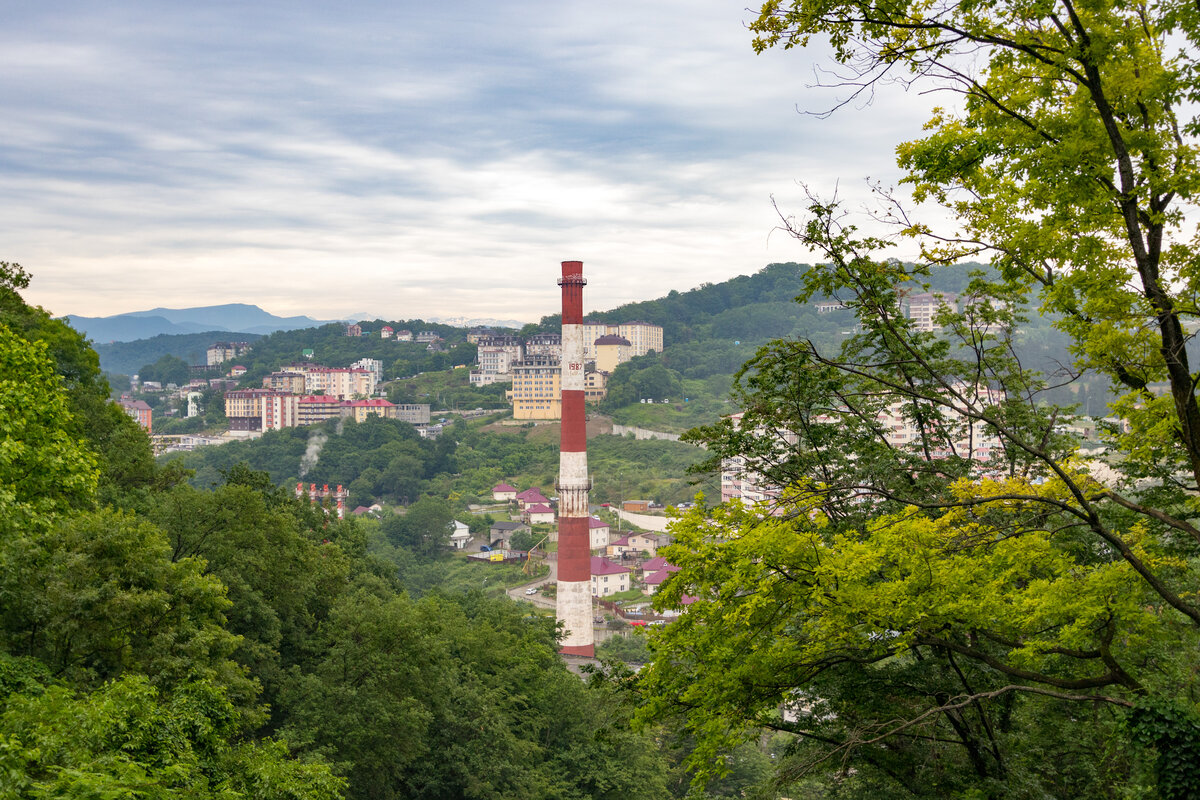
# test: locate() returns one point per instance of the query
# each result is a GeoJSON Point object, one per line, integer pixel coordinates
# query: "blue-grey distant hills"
{"type": "Point", "coordinates": [231, 317]}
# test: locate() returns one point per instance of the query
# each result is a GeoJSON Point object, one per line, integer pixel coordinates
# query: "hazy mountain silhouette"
{"type": "Point", "coordinates": [231, 317]}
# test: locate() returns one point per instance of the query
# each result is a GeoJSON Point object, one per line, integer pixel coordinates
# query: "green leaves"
{"type": "Point", "coordinates": [42, 467]}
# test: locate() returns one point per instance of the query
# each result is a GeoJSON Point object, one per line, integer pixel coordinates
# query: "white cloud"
{"type": "Point", "coordinates": [324, 160]}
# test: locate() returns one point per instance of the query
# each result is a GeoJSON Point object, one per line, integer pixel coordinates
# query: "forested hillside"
{"type": "Point", "coordinates": [127, 358]}
{"type": "Point", "coordinates": [333, 348]}
{"type": "Point", "coordinates": [385, 460]}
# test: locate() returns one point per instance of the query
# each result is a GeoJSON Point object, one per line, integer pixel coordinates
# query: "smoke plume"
{"type": "Point", "coordinates": [316, 440]}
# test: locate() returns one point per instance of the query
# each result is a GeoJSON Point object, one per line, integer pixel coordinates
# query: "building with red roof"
{"type": "Point", "coordinates": [503, 493]}
{"type": "Point", "coordinates": [538, 514]}
{"type": "Point", "coordinates": [376, 406]}
{"type": "Point", "coordinates": [315, 408]}
{"type": "Point", "coordinates": [608, 578]}
{"type": "Point", "coordinates": [532, 496]}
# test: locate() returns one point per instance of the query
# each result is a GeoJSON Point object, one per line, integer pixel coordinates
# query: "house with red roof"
{"type": "Point", "coordinates": [653, 580]}
{"type": "Point", "coordinates": [532, 496]}
{"type": "Point", "coordinates": [386, 332]}
{"type": "Point", "coordinates": [646, 542]}
{"type": "Point", "coordinates": [619, 548]}
{"type": "Point", "coordinates": [608, 578]}
{"type": "Point", "coordinates": [503, 493]}
{"type": "Point", "coordinates": [655, 564]}
{"type": "Point", "coordinates": [538, 514]}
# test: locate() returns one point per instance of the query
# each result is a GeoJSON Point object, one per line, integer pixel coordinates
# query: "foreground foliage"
{"type": "Point", "coordinates": [982, 610]}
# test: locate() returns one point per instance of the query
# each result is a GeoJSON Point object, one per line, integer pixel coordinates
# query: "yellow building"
{"type": "Point", "coordinates": [595, 386]}
{"type": "Point", "coordinates": [361, 409]}
{"type": "Point", "coordinates": [537, 389]}
{"type": "Point", "coordinates": [612, 350]}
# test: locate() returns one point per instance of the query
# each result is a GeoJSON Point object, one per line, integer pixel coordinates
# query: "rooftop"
{"type": "Point", "coordinates": [602, 566]}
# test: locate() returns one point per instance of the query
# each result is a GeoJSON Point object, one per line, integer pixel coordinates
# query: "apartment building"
{"type": "Point", "coordinates": [314, 409]}
{"type": "Point", "coordinates": [376, 406]}
{"type": "Point", "coordinates": [642, 336]}
{"type": "Point", "coordinates": [412, 413]}
{"type": "Point", "coordinates": [371, 365]}
{"type": "Point", "coordinates": [537, 389]}
{"type": "Point", "coordinates": [546, 345]}
{"type": "Point", "coordinates": [279, 411]}
{"type": "Point", "coordinates": [611, 350]}
{"type": "Point", "coordinates": [595, 386]}
{"type": "Point", "coordinates": [923, 307]}
{"type": "Point", "coordinates": [220, 352]}
{"type": "Point", "coordinates": [285, 382]}
{"type": "Point", "coordinates": [140, 411]}
{"type": "Point", "coordinates": [344, 383]}
{"type": "Point", "coordinates": [244, 408]}
{"type": "Point", "coordinates": [498, 359]}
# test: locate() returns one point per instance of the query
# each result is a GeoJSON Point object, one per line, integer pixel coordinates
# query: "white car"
{"type": "Point", "coordinates": [531, 590]}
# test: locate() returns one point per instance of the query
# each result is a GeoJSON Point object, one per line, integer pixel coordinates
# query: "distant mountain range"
{"type": "Point", "coordinates": [231, 317]}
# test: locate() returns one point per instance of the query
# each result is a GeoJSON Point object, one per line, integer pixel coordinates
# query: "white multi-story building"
{"type": "Point", "coordinates": [372, 365]}
{"type": "Point", "coordinates": [545, 345]}
{"type": "Point", "coordinates": [974, 441]}
{"type": "Point", "coordinates": [498, 360]}
{"type": "Point", "coordinates": [221, 352]}
{"type": "Point", "coordinates": [922, 308]}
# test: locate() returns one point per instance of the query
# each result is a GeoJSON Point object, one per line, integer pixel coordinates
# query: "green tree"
{"type": "Point", "coordinates": [42, 467]}
{"type": "Point", "coordinates": [97, 596]}
{"type": "Point", "coordinates": [127, 739]}
{"type": "Point", "coordinates": [525, 540]}
{"type": "Point", "coordinates": [167, 369]}
{"type": "Point", "coordinates": [424, 528]}
{"type": "Point", "coordinates": [448, 698]}
{"type": "Point", "coordinates": [967, 598]}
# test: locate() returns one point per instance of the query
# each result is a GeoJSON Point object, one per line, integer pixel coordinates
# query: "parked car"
{"type": "Point", "coordinates": [531, 590]}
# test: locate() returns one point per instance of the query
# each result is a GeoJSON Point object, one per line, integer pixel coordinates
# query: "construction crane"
{"type": "Point", "coordinates": [528, 560]}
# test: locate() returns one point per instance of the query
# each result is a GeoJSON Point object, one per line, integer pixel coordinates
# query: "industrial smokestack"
{"type": "Point", "coordinates": [574, 607]}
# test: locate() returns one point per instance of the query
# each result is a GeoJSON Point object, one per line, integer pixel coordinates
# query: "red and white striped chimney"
{"type": "Point", "coordinates": [574, 607]}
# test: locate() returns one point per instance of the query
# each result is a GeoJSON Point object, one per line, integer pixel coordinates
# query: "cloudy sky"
{"type": "Point", "coordinates": [409, 159]}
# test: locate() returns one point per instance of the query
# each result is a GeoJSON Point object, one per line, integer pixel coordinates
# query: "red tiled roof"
{"type": "Point", "coordinates": [320, 398]}
{"type": "Point", "coordinates": [376, 402]}
{"type": "Point", "coordinates": [657, 563]}
{"type": "Point", "coordinates": [655, 578]}
{"type": "Point", "coordinates": [593, 522]}
{"type": "Point", "coordinates": [622, 542]}
{"type": "Point", "coordinates": [539, 509]}
{"type": "Point", "coordinates": [602, 566]}
{"type": "Point", "coordinates": [503, 487]}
